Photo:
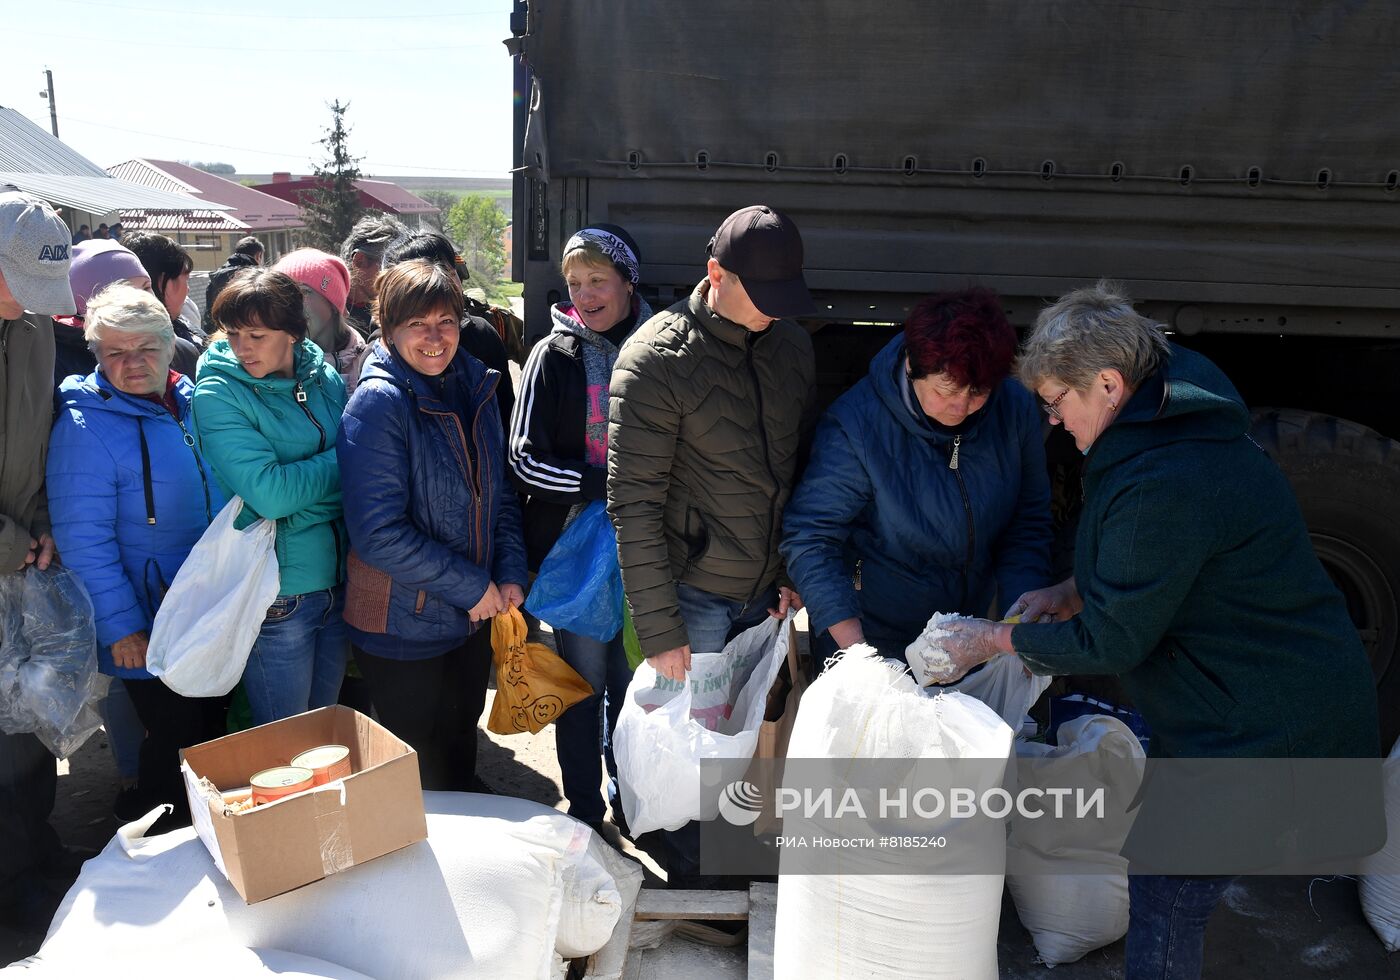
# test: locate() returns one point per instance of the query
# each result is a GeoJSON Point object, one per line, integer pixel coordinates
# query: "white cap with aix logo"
{"type": "Point", "coordinates": [34, 244]}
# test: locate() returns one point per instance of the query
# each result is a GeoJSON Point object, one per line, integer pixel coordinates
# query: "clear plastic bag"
{"type": "Point", "coordinates": [49, 682]}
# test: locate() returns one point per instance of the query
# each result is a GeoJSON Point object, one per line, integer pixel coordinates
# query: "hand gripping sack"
{"type": "Point", "coordinates": [579, 587]}
{"type": "Point", "coordinates": [210, 617]}
{"type": "Point", "coordinates": [1003, 684]}
{"type": "Point", "coordinates": [534, 686]}
{"type": "Point", "coordinates": [666, 728]}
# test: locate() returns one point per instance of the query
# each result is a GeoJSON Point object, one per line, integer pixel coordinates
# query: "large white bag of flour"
{"type": "Point", "coordinates": [1070, 914]}
{"type": "Point", "coordinates": [889, 925]}
{"type": "Point", "coordinates": [1379, 886]}
{"type": "Point", "coordinates": [666, 728]}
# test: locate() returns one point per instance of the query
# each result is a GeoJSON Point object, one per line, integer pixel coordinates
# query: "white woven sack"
{"type": "Point", "coordinates": [1379, 886]}
{"type": "Point", "coordinates": [499, 889]}
{"type": "Point", "coordinates": [211, 615]}
{"type": "Point", "coordinates": [665, 728]}
{"type": "Point", "coordinates": [1069, 915]}
{"type": "Point", "coordinates": [895, 926]}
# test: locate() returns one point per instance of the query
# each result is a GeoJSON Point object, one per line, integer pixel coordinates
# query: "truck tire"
{"type": "Point", "coordinates": [1347, 481]}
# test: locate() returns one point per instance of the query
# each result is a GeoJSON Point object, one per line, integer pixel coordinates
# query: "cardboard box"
{"type": "Point", "coordinates": [279, 846]}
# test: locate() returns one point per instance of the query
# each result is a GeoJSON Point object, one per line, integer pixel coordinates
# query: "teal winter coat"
{"type": "Point", "coordinates": [1202, 590]}
{"type": "Point", "coordinates": [271, 441]}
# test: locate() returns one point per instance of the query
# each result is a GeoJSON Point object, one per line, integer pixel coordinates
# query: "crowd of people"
{"type": "Point", "coordinates": [357, 402]}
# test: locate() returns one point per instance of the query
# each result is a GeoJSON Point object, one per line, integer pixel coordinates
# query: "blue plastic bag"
{"type": "Point", "coordinates": [579, 587]}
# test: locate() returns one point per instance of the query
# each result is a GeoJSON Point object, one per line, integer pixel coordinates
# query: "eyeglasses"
{"type": "Point", "coordinates": [1052, 408]}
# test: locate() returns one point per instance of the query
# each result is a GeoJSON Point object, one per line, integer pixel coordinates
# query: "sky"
{"type": "Point", "coordinates": [247, 82]}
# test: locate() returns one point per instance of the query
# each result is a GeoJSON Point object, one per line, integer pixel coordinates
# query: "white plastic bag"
{"type": "Point", "coordinates": [211, 615]}
{"type": "Point", "coordinates": [1003, 684]}
{"type": "Point", "coordinates": [1070, 914]}
{"type": "Point", "coordinates": [1379, 885]}
{"type": "Point", "coordinates": [883, 926]}
{"type": "Point", "coordinates": [667, 727]}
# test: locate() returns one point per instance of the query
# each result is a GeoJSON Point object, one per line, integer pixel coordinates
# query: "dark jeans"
{"type": "Point", "coordinates": [298, 659]}
{"type": "Point", "coordinates": [28, 784]}
{"type": "Point", "coordinates": [588, 725]}
{"type": "Point", "coordinates": [711, 621]}
{"type": "Point", "coordinates": [433, 705]}
{"type": "Point", "coordinates": [1167, 925]}
{"type": "Point", "coordinates": [173, 722]}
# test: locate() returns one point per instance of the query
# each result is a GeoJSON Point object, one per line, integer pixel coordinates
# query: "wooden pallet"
{"type": "Point", "coordinates": [758, 907]}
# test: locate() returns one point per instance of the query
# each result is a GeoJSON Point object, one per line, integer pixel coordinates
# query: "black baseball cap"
{"type": "Point", "coordinates": [764, 249]}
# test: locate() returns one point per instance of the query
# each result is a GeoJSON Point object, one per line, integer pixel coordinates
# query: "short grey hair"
{"type": "Point", "coordinates": [1091, 330]}
{"type": "Point", "coordinates": [123, 308]}
{"type": "Point", "coordinates": [372, 235]}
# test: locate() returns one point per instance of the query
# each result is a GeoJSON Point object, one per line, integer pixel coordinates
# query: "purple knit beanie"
{"type": "Point", "coordinates": [99, 263]}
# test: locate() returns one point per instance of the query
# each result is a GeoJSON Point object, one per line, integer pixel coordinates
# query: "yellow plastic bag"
{"type": "Point", "coordinates": [533, 685]}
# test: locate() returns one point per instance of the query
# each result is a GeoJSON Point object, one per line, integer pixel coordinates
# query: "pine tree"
{"type": "Point", "coordinates": [333, 207]}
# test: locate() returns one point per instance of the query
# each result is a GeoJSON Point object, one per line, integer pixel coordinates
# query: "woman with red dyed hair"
{"type": "Point", "coordinates": [927, 490]}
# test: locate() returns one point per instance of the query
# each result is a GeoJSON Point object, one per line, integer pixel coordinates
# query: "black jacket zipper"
{"type": "Point", "coordinates": [199, 464]}
{"type": "Point", "coordinates": [971, 527]}
{"type": "Point", "coordinates": [763, 437]}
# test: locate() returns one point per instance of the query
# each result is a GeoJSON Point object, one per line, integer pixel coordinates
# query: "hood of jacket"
{"type": "Point", "coordinates": [565, 324]}
{"type": "Point", "coordinates": [1187, 399]}
{"type": "Point", "coordinates": [95, 393]}
{"type": "Point", "coordinates": [307, 364]}
{"type": "Point", "coordinates": [894, 392]}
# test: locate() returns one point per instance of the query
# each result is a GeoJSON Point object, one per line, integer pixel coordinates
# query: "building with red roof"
{"type": "Point", "coordinates": [377, 195]}
{"type": "Point", "coordinates": [209, 236]}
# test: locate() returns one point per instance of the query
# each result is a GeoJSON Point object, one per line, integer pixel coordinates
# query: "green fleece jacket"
{"type": "Point", "coordinates": [271, 441]}
{"type": "Point", "coordinates": [1201, 588]}
{"type": "Point", "coordinates": [26, 414]}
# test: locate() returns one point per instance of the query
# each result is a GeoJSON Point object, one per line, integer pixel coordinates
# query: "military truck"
{"type": "Point", "coordinates": [1236, 167]}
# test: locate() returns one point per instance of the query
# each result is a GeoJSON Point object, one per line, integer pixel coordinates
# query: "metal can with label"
{"type": "Point", "coordinates": [274, 784]}
{"type": "Point", "coordinates": [326, 762]}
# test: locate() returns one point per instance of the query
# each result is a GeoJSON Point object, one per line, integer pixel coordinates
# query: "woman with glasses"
{"type": "Point", "coordinates": [1194, 582]}
{"type": "Point", "coordinates": [927, 490]}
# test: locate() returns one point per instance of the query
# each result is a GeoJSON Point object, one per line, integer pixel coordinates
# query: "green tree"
{"type": "Point", "coordinates": [475, 224]}
{"type": "Point", "coordinates": [333, 207]}
{"type": "Point", "coordinates": [443, 201]}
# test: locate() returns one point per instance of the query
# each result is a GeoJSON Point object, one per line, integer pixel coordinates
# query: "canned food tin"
{"type": "Point", "coordinates": [274, 784]}
{"type": "Point", "coordinates": [326, 762]}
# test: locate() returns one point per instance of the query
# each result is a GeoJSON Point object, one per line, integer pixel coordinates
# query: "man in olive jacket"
{"type": "Point", "coordinates": [34, 245]}
{"type": "Point", "coordinates": [708, 405]}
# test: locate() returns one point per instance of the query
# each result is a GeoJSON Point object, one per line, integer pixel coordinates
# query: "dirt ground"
{"type": "Point", "coordinates": [1275, 928]}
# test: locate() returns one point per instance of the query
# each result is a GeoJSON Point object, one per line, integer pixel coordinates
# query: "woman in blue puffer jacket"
{"type": "Point", "coordinates": [129, 495]}
{"type": "Point", "coordinates": [437, 548]}
{"type": "Point", "coordinates": [927, 490]}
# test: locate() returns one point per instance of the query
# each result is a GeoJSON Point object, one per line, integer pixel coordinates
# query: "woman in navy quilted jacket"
{"type": "Point", "coordinates": [129, 495]}
{"type": "Point", "coordinates": [437, 548]}
{"type": "Point", "coordinates": [926, 490]}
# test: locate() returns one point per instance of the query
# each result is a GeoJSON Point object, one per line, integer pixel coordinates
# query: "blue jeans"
{"type": "Point", "coordinates": [125, 732]}
{"type": "Point", "coordinates": [1167, 925]}
{"type": "Point", "coordinates": [299, 657]}
{"type": "Point", "coordinates": [577, 732]}
{"type": "Point", "coordinates": [711, 621]}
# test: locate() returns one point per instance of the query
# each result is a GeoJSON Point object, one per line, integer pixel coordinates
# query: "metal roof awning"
{"type": "Point", "coordinates": [99, 195]}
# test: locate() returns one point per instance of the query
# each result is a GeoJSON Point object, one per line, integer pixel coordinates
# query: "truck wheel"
{"type": "Point", "coordinates": [1347, 481]}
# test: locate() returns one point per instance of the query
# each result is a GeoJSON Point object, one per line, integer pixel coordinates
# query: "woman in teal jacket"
{"type": "Point", "coordinates": [267, 410]}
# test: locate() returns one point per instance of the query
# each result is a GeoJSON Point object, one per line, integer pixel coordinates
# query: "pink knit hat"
{"type": "Point", "coordinates": [321, 271]}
